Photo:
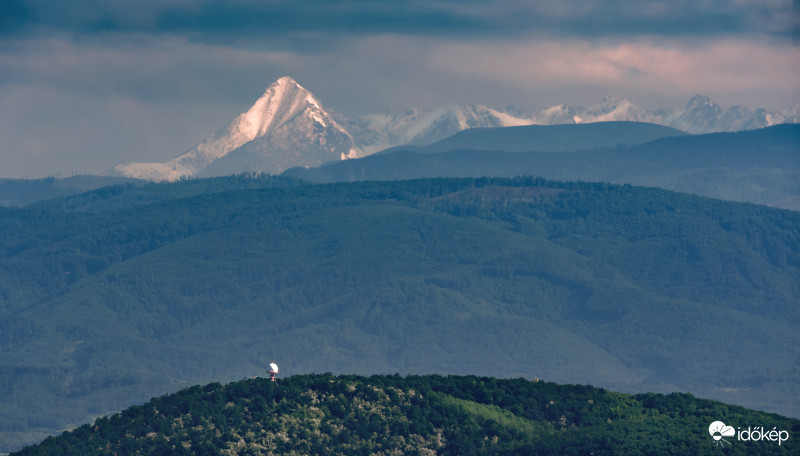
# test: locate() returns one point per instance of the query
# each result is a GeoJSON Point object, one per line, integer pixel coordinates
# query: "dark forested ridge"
{"type": "Point", "coordinates": [382, 415]}
{"type": "Point", "coordinates": [757, 166]}
{"type": "Point", "coordinates": [19, 192]}
{"type": "Point", "coordinates": [554, 138]}
{"type": "Point", "coordinates": [116, 295]}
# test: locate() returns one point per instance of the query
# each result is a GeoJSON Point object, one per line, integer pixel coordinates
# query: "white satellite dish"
{"type": "Point", "coordinates": [273, 371]}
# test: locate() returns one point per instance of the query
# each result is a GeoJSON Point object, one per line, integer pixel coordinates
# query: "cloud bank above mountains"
{"type": "Point", "coordinates": [88, 84]}
{"type": "Point", "coordinates": [216, 20]}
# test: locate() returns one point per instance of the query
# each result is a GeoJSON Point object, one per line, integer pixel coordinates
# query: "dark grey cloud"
{"type": "Point", "coordinates": [232, 20]}
{"type": "Point", "coordinates": [294, 23]}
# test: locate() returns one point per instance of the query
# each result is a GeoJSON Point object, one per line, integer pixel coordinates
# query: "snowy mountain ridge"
{"type": "Point", "coordinates": [289, 127]}
{"type": "Point", "coordinates": [376, 132]}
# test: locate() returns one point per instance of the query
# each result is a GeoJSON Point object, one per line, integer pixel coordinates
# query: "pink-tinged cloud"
{"type": "Point", "coordinates": [724, 69]}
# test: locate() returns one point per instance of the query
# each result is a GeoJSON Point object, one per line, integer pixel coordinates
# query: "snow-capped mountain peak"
{"type": "Point", "coordinates": [282, 100]}
{"type": "Point", "coordinates": [611, 108]}
{"type": "Point", "coordinates": [615, 108]}
{"type": "Point", "coordinates": [285, 120]}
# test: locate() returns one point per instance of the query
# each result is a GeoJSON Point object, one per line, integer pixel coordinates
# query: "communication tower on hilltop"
{"type": "Point", "coordinates": [273, 371]}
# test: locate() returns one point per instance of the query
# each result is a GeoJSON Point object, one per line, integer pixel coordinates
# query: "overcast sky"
{"type": "Point", "coordinates": [88, 84]}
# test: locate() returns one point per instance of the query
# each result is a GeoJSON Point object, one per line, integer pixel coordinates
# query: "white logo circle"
{"type": "Point", "coordinates": [718, 430]}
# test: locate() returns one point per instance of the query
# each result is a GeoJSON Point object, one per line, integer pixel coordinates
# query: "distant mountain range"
{"type": "Point", "coordinates": [755, 166]}
{"type": "Point", "coordinates": [289, 127]}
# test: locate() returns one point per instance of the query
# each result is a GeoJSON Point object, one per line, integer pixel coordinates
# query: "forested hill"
{"type": "Point", "coordinates": [125, 293]}
{"type": "Point", "coordinates": [383, 415]}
